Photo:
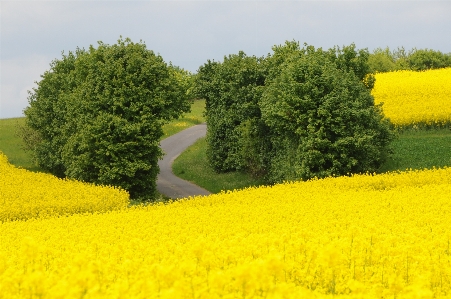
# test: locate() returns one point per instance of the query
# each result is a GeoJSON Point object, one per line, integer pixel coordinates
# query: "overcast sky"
{"type": "Point", "coordinates": [188, 33]}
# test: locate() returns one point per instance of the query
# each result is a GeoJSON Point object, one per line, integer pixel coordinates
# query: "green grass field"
{"type": "Point", "coordinates": [192, 165]}
{"type": "Point", "coordinates": [413, 149]}
{"type": "Point", "coordinates": [420, 149]}
{"type": "Point", "coordinates": [12, 146]}
{"type": "Point", "coordinates": [195, 117]}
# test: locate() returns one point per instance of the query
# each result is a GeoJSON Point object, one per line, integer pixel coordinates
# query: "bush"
{"type": "Point", "coordinates": [296, 114]}
{"type": "Point", "coordinates": [47, 118]}
{"type": "Point", "coordinates": [421, 60]}
{"type": "Point", "coordinates": [100, 114]}
{"type": "Point", "coordinates": [322, 117]}
{"type": "Point", "coordinates": [384, 60]}
{"type": "Point", "coordinates": [231, 98]}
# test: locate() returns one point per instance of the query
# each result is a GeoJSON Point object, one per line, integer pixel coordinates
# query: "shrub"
{"type": "Point", "coordinates": [231, 94]}
{"type": "Point", "coordinates": [421, 60]}
{"type": "Point", "coordinates": [322, 117]}
{"type": "Point", "coordinates": [100, 114]}
{"type": "Point", "coordinates": [384, 60]}
{"type": "Point", "coordinates": [351, 60]}
{"type": "Point", "coordinates": [46, 116]}
{"type": "Point", "coordinates": [296, 114]}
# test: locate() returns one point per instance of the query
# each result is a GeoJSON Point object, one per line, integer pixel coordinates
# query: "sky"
{"type": "Point", "coordinates": [188, 33]}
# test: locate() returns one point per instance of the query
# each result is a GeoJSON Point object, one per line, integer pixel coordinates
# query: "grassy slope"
{"type": "Point", "coordinates": [192, 165]}
{"type": "Point", "coordinates": [420, 149]}
{"type": "Point", "coordinates": [413, 149]}
{"type": "Point", "coordinates": [195, 117]}
{"type": "Point", "coordinates": [11, 145]}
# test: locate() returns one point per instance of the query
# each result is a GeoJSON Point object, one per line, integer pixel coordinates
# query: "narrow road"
{"type": "Point", "coordinates": [169, 184]}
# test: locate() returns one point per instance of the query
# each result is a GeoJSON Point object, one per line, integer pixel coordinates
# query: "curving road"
{"type": "Point", "coordinates": [169, 184]}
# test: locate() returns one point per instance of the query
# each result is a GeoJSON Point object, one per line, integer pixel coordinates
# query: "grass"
{"type": "Point", "coordinates": [192, 165]}
{"type": "Point", "coordinates": [413, 149]}
{"type": "Point", "coordinates": [195, 117]}
{"type": "Point", "coordinates": [419, 149]}
{"type": "Point", "coordinates": [12, 145]}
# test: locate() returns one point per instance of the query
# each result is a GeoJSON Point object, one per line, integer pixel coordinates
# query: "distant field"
{"type": "Point", "coordinates": [12, 146]}
{"type": "Point", "coordinates": [419, 149]}
{"type": "Point", "coordinates": [415, 99]}
{"type": "Point", "coordinates": [195, 117]}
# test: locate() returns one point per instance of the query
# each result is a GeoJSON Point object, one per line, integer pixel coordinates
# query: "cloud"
{"type": "Point", "coordinates": [17, 78]}
{"type": "Point", "coordinates": [187, 33]}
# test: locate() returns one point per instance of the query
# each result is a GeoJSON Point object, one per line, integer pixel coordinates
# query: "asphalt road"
{"type": "Point", "coordinates": [169, 184]}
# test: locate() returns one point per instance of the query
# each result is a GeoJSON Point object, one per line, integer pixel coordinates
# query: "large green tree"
{"type": "Point", "coordinates": [231, 94]}
{"type": "Point", "coordinates": [295, 114]}
{"type": "Point", "coordinates": [322, 117]}
{"type": "Point", "coordinates": [100, 113]}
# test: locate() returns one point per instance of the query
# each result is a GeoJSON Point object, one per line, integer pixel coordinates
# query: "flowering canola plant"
{"type": "Point", "coordinates": [421, 99]}
{"type": "Point", "coordinates": [24, 194]}
{"type": "Point", "coordinates": [365, 236]}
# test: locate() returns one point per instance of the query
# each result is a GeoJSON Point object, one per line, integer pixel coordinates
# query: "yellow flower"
{"type": "Point", "coordinates": [365, 236]}
{"type": "Point", "coordinates": [415, 99]}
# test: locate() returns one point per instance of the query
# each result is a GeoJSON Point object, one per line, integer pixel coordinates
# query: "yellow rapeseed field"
{"type": "Point", "coordinates": [25, 194]}
{"type": "Point", "coordinates": [381, 236]}
{"type": "Point", "coordinates": [421, 99]}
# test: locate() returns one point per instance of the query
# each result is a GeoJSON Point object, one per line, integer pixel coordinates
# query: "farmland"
{"type": "Point", "coordinates": [380, 235]}
{"type": "Point", "coordinates": [369, 236]}
{"type": "Point", "coordinates": [26, 195]}
{"type": "Point", "coordinates": [415, 99]}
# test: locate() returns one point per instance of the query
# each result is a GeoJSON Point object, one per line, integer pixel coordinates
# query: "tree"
{"type": "Point", "coordinates": [100, 114]}
{"type": "Point", "coordinates": [231, 94]}
{"type": "Point", "coordinates": [322, 116]}
{"type": "Point", "coordinates": [421, 60]}
{"type": "Point", "coordinates": [382, 60]}
{"type": "Point", "coordinates": [296, 114]}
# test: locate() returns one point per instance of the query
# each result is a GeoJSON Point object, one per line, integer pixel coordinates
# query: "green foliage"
{"type": "Point", "coordinates": [184, 78]}
{"type": "Point", "coordinates": [47, 114]}
{"type": "Point", "coordinates": [255, 147]}
{"type": "Point", "coordinates": [273, 64]}
{"type": "Point", "coordinates": [296, 114]}
{"type": "Point", "coordinates": [322, 117]}
{"type": "Point", "coordinates": [349, 59]}
{"type": "Point", "coordinates": [384, 60]}
{"type": "Point", "coordinates": [231, 94]}
{"type": "Point", "coordinates": [100, 114]}
{"type": "Point", "coordinates": [421, 60]}
{"type": "Point", "coordinates": [346, 58]}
